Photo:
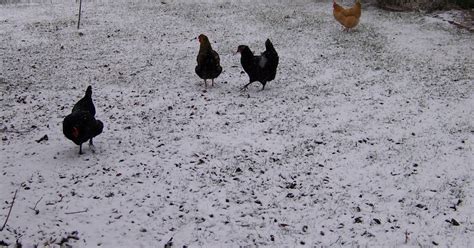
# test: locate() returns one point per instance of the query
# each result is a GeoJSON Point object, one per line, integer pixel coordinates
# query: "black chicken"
{"type": "Point", "coordinates": [81, 125]}
{"type": "Point", "coordinates": [259, 68]}
{"type": "Point", "coordinates": [208, 62]}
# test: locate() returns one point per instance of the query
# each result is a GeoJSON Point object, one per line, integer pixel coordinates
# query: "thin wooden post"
{"type": "Point", "coordinates": [80, 9]}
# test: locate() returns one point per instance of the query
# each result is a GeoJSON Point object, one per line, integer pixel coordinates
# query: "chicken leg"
{"type": "Point", "coordinates": [91, 146]}
{"type": "Point", "coordinates": [246, 86]}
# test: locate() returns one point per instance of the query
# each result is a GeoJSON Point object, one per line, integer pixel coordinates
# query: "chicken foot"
{"type": "Point", "coordinates": [246, 86]}
{"type": "Point", "coordinates": [91, 146]}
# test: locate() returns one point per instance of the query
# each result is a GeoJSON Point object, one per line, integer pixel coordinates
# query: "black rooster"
{"type": "Point", "coordinates": [81, 125]}
{"type": "Point", "coordinates": [259, 68]}
{"type": "Point", "coordinates": [208, 62]}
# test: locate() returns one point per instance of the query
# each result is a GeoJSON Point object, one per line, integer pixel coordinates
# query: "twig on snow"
{"type": "Point", "coordinates": [5, 130]}
{"type": "Point", "coordinates": [169, 244]}
{"type": "Point", "coordinates": [45, 137]}
{"type": "Point", "coordinates": [460, 25]}
{"type": "Point", "coordinates": [73, 235]}
{"type": "Point", "coordinates": [337, 240]}
{"type": "Point", "coordinates": [457, 24]}
{"type": "Point", "coordinates": [58, 201]}
{"type": "Point", "coordinates": [78, 212]}
{"type": "Point", "coordinates": [9, 211]}
{"type": "Point", "coordinates": [79, 18]}
{"type": "Point", "coordinates": [34, 208]}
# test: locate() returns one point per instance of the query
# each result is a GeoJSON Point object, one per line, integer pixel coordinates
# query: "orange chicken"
{"type": "Point", "coordinates": [348, 17]}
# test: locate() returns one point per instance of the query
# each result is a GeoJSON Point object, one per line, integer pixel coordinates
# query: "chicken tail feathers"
{"type": "Point", "coordinates": [89, 91]}
{"type": "Point", "coordinates": [99, 127]}
{"type": "Point", "coordinates": [269, 46]}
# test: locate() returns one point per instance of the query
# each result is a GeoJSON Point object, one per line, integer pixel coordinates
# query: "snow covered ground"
{"type": "Point", "coordinates": [364, 138]}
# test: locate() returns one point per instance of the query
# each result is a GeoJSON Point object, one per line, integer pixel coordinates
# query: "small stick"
{"type": "Point", "coordinates": [38, 202]}
{"type": "Point", "coordinates": [56, 202]}
{"type": "Point", "coordinates": [335, 241]}
{"type": "Point", "coordinates": [79, 19]}
{"type": "Point", "coordinates": [34, 208]}
{"type": "Point", "coordinates": [15, 131]}
{"type": "Point", "coordinates": [9, 211]}
{"type": "Point", "coordinates": [460, 25]}
{"type": "Point", "coordinates": [78, 212]}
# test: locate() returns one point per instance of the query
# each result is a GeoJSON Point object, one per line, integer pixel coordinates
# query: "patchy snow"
{"type": "Point", "coordinates": [364, 138]}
